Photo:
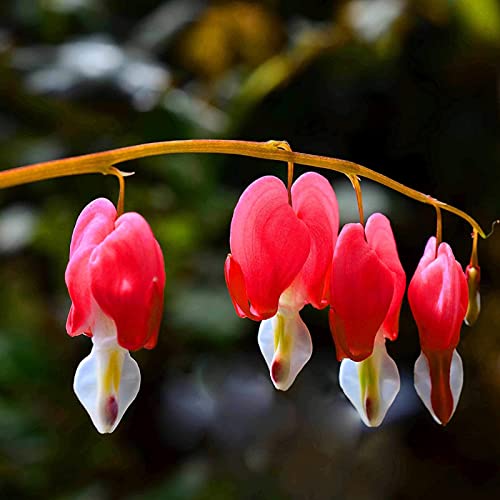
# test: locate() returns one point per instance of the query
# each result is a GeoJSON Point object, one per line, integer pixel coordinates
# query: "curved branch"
{"type": "Point", "coordinates": [272, 150]}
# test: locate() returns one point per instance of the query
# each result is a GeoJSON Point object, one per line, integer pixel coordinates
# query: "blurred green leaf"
{"type": "Point", "coordinates": [481, 18]}
{"type": "Point", "coordinates": [205, 314]}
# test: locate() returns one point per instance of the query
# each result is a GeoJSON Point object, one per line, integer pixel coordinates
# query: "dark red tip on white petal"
{"type": "Point", "coordinates": [111, 411]}
{"type": "Point", "coordinates": [280, 370]}
{"type": "Point", "coordinates": [369, 408]}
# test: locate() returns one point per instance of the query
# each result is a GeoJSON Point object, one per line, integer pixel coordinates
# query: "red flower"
{"type": "Point", "coordinates": [438, 299]}
{"type": "Point", "coordinates": [367, 289]}
{"type": "Point", "coordinates": [115, 265]}
{"type": "Point", "coordinates": [115, 277]}
{"type": "Point", "coordinates": [280, 260]}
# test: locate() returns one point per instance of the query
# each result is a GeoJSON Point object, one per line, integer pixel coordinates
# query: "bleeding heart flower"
{"type": "Point", "coordinates": [280, 260]}
{"type": "Point", "coordinates": [438, 298]}
{"type": "Point", "coordinates": [367, 288]}
{"type": "Point", "coordinates": [115, 278]}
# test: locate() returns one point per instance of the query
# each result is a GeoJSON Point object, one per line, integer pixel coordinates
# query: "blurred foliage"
{"type": "Point", "coordinates": [409, 88]}
{"type": "Point", "coordinates": [229, 35]}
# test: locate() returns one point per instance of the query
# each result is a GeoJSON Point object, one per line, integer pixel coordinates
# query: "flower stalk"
{"type": "Point", "coordinates": [439, 227]}
{"type": "Point", "coordinates": [120, 204]}
{"type": "Point", "coordinates": [104, 162]}
{"type": "Point", "coordinates": [359, 197]}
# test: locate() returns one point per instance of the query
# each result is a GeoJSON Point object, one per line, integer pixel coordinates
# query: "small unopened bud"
{"type": "Point", "coordinates": [473, 275]}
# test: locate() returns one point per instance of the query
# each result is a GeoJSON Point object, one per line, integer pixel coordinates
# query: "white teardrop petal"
{"type": "Point", "coordinates": [265, 339]}
{"type": "Point", "coordinates": [456, 378]}
{"type": "Point", "coordinates": [371, 400]}
{"type": "Point", "coordinates": [129, 386]}
{"type": "Point", "coordinates": [389, 383]}
{"type": "Point", "coordinates": [349, 383]}
{"type": "Point", "coordinates": [106, 382]}
{"type": "Point", "coordinates": [422, 381]}
{"type": "Point", "coordinates": [301, 350]}
{"type": "Point", "coordinates": [285, 343]}
{"type": "Point", "coordinates": [85, 387]}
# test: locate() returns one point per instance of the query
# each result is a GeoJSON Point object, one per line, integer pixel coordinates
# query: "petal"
{"type": "Point", "coordinates": [381, 239]}
{"type": "Point", "coordinates": [156, 310]}
{"type": "Point", "coordinates": [235, 282]}
{"type": "Point", "coordinates": [93, 225]}
{"type": "Point", "coordinates": [438, 298]}
{"type": "Point", "coordinates": [106, 382]}
{"type": "Point", "coordinates": [372, 384]}
{"type": "Point", "coordinates": [430, 252]}
{"type": "Point", "coordinates": [78, 282]}
{"type": "Point", "coordinates": [361, 293]}
{"type": "Point", "coordinates": [269, 243]}
{"type": "Point", "coordinates": [315, 203]}
{"type": "Point", "coordinates": [128, 279]}
{"type": "Point", "coordinates": [439, 391]}
{"type": "Point", "coordinates": [285, 343]}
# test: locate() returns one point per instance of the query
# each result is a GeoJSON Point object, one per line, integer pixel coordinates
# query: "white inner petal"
{"type": "Point", "coordinates": [422, 381]}
{"type": "Point", "coordinates": [285, 343]}
{"type": "Point", "coordinates": [371, 385]}
{"type": "Point", "coordinates": [108, 380]}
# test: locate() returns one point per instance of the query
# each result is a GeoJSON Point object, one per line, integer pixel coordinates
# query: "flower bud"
{"type": "Point", "coordinates": [473, 276]}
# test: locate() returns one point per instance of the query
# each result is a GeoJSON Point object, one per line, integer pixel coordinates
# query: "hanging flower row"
{"type": "Point", "coordinates": [286, 252]}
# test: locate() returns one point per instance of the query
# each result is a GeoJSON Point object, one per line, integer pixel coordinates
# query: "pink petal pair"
{"type": "Point", "coordinates": [367, 287]}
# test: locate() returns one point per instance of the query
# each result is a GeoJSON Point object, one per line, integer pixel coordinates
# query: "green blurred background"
{"type": "Point", "coordinates": [409, 88]}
